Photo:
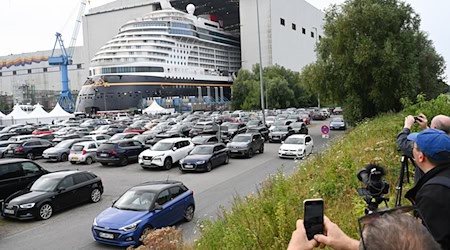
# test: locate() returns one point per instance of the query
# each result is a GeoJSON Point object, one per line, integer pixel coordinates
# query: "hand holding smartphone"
{"type": "Point", "coordinates": [313, 212]}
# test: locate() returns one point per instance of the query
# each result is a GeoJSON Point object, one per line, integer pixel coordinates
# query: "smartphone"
{"type": "Point", "coordinates": [313, 211]}
{"type": "Point", "coordinates": [417, 119]}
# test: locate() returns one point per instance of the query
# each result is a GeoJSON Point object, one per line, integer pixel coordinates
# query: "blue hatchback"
{"type": "Point", "coordinates": [146, 206]}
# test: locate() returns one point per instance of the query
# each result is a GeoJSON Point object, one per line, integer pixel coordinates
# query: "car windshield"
{"type": "Point", "coordinates": [103, 127]}
{"type": "Point", "coordinates": [199, 139]}
{"type": "Point", "coordinates": [77, 148]}
{"type": "Point", "coordinates": [242, 138]}
{"type": "Point", "coordinates": [64, 144]}
{"type": "Point", "coordinates": [137, 200]}
{"type": "Point", "coordinates": [233, 126]}
{"type": "Point", "coordinates": [280, 129]}
{"type": "Point", "coordinates": [45, 184]}
{"type": "Point", "coordinates": [278, 123]}
{"type": "Point", "coordinates": [296, 125]}
{"type": "Point", "coordinates": [253, 122]}
{"type": "Point", "coordinates": [117, 137]}
{"type": "Point", "coordinates": [199, 150]}
{"type": "Point", "coordinates": [291, 140]}
{"type": "Point", "coordinates": [106, 146]}
{"type": "Point", "coordinates": [337, 120]}
{"type": "Point", "coordinates": [162, 146]}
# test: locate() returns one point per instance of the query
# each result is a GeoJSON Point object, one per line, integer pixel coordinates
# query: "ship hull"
{"type": "Point", "coordinates": [132, 92]}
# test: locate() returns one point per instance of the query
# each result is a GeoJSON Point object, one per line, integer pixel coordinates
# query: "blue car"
{"type": "Point", "coordinates": [144, 207]}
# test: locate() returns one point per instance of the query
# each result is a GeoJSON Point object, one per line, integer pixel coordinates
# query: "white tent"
{"type": "Point", "coordinates": [154, 108]}
{"type": "Point", "coordinates": [39, 115]}
{"type": "Point", "coordinates": [60, 113]}
{"type": "Point", "coordinates": [16, 116]}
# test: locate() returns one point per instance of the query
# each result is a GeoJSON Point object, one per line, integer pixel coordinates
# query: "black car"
{"type": "Point", "coordinates": [205, 157]}
{"type": "Point", "coordinates": [6, 136]}
{"type": "Point", "coordinates": [29, 149]}
{"type": "Point", "coordinates": [280, 133]}
{"type": "Point", "coordinates": [246, 145]}
{"type": "Point", "coordinates": [23, 130]}
{"type": "Point", "coordinates": [205, 139]}
{"type": "Point", "coordinates": [299, 128]}
{"type": "Point", "coordinates": [17, 174]}
{"type": "Point", "coordinates": [52, 192]}
{"type": "Point", "coordinates": [264, 131]}
{"type": "Point", "coordinates": [119, 152]}
{"type": "Point", "coordinates": [231, 129]}
{"type": "Point", "coordinates": [114, 129]}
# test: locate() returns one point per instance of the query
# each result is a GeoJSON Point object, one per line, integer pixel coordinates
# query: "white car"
{"type": "Point", "coordinates": [165, 153]}
{"type": "Point", "coordinates": [296, 146]}
{"type": "Point", "coordinates": [99, 139]}
{"type": "Point", "coordinates": [83, 152]}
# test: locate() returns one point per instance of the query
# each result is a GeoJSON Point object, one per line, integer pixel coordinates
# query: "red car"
{"type": "Point", "coordinates": [139, 130]}
{"type": "Point", "coordinates": [44, 130]}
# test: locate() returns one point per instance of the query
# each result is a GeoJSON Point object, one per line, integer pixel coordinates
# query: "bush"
{"type": "Point", "coordinates": [167, 238]}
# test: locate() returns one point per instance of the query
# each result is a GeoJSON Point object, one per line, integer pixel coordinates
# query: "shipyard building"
{"type": "Point", "coordinates": [288, 29]}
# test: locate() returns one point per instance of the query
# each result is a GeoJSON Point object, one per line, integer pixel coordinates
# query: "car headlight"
{"type": "Point", "coordinates": [200, 162]}
{"type": "Point", "coordinates": [130, 227]}
{"type": "Point", "coordinates": [27, 205]}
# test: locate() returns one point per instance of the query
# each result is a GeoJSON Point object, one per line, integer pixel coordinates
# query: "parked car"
{"type": "Point", "coordinates": [254, 123]}
{"type": "Point", "coordinates": [52, 192]}
{"type": "Point", "coordinates": [83, 152]}
{"type": "Point", "coordinates": [21, 137]}
{"type": "Point", "coordinates": [246, 145]}
{"type": "Point", "coordinates": [17, 174]}
{"type": "Point", "coordinates": [204, 139]}
{"type": "Point", "coordinates": [206, 127]}
{"type": "Point", "coordinates": [119, 152]}
{"type": "Point", "coordinates": [61, 151]}
{"type": "Point", "coordinates": [121, 136]}
{"type": "Point", "coordinates": [115, 128]}
{"type": "Point", "coordinates": [66, 137]}
{"type": "Point", "coordinates": [29, 149]}
{"type": "Point", "coordinates": [23, 130]}
{"type": "Point", "coordinates": [296, 146]}
{"type": "Point", "coordinates": [146, 206]}
{"type": "Point", "coordinates": [205, 157]}
{"type": "Point", "coordinates": [280, 133]}
{"type": "Point", "coordinates": [165, 153]}
{"type": "Point", "coordinates": [337, 123]}
{"type": "Point", "coordinates": [46, 130]}
{"type": "Point", "coordinates": [6, 136]}
{"type": "Point", "coordinates": [3, 146]}
{"type": "Point", "coordinates": [299, 128]}
{"type": "Point", "coordinates": [135, 129]}
{"type": "Point", "coordinates": [264, 131]}
{"type": "Point", "coordinates": [99, 139]}
{"type": "Point", "coordinates": [47, 137]}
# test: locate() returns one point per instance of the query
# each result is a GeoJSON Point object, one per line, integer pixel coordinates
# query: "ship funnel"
{"type": "Point", "coordinates": [165, 4]}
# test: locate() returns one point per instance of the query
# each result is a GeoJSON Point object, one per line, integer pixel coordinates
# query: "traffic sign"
{"type": "Point", "coordinates": [325, 129]}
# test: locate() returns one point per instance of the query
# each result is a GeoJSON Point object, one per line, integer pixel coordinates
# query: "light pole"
{"type": "Point", "coordinates": [261, 80]}
{"type": "Point", "coordinates": [317, 36]}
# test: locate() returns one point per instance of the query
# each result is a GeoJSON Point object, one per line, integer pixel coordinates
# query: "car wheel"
{"type": "Point", "coordinates": [64, 157]}
{"type": "Point", "coordinates": [123, 161]}
{"type": "Point", "coordinates": [250, 153]}
{"type": "Point", "coordinates": [73, 162]}
{"type": "Point", "coordinates": [189, 213]}
{"type": "Point", "coordinates": [227, 159]}
{"type": "Point", "coordinates": [96, 195]}
{"type": "Point", "coordinates": [261, 149]}
{"type": "Point", "coordinates": [45, 211]}
{"type": "Point", "coordinates": [89, 160]}
{"type": "Point", "coordinates": [167, 163]}
{"type": "Point", "coordinates": [209, 167]}
{"type": "Point", "coordinates": [30, 156]}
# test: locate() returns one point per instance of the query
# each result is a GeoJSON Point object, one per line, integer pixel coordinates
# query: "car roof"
{"type": "Point", "coordinates": [84, 143]}
{"type": "Point", "coordinates": [63, 173]}
{"type": "Point", "coordinates": [298, 136]}
{"type": "Point", "coordinates": [157, 185]}
{"type": "Point", "coordinates": [12, 160]}
{"type": "Point", "coordinates": [175, 139]}
{"type": "Point", "coordinates": [210, 145]}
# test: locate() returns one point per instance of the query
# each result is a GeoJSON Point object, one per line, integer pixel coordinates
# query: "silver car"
{"type": "Point", "coordinates": [83, 152]}
{"type": "Point", "coordinates": [61, 151]}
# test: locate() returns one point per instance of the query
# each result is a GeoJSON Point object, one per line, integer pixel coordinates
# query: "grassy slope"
{"type": "Point", "coordinates": [266, 220]}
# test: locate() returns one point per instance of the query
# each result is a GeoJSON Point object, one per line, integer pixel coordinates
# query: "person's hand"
{"type": "Point", "coordinates": [335, 238]}
{"type": "Point", "coordinates": [299, 241]}
{"type": "Point", "coordinates": [409, 121]}
{"type": "Point", "coordinates": [422, 121]}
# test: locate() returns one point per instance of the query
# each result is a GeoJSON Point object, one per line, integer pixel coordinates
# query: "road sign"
{"type": "Point", "coordinates": [325, 129]}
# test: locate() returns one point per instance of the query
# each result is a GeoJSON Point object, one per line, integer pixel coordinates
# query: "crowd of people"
{"type": "Point", "coordinates": [429, 227]}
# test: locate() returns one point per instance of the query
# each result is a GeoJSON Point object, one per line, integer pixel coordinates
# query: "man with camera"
{"type": "Point", "coordinates": [431, 194]}
{"type": "Point", "coordinates": [441, 122]}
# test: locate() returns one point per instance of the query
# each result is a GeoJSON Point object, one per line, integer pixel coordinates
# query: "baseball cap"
{"type": "Point", "coordinates": [434, 143]}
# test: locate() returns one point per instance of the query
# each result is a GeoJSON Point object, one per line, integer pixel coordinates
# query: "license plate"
{"type": "Point", "coordinates": [104, 155]}
{"type": "Point", "coordinates": [189, 166]}
{"type": "Point", "coordinates": [75, 158]}
{"type": "Point", "coordinates": [276, 137]}
{"type": "Point", "coordinates": [10, 151]}
{"type": "Point", "coordinates": [106, 235]}
{"type": "Point", "coordinates": [234, 151]}
{"type": "Point", "coordinates": [8, 211]}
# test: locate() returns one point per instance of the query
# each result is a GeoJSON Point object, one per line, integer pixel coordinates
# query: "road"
{"type": "Point", "coordinates": [70, 229]}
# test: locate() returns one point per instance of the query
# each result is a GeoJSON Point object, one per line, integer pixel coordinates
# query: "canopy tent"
{"type": "Point", "coordinates": [39, 115]}
{"type": "Point", "coordinates": [16, 116]}
{"type": "Point", "coordinates": [154, 108]}
{"type": "Point", "coordinates": [60, 113]}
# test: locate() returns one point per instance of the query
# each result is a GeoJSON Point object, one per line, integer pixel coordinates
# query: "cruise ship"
{"type": "Point", "coordinates": [166, 53]}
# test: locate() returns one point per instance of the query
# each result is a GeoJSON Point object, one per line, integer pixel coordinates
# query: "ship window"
{"type": "Point", "coordinates": [14, 73]}
{"type": "Point", "coordinates": [29, 71]}
{"type": "Point", "coordinates": [303, 30]}
{"type": "Point", "coordinates": [294, 27]}
{"type": "Point", "coordinates": [78, 66]}
{"type": "Point", "coordinates": [282, 21]}
{"type": "Point", "coordinates": [312, 34]}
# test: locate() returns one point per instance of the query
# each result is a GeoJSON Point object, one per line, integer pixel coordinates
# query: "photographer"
{"type": "Point", "coordinates": [431, 194]}
{"type": "Point", "coordinates": [391, 230]}
{"type": "Point", "coordinates": [440, 122]}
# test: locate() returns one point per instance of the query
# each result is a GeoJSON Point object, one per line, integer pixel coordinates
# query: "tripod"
{"type": "Point", "coordinates": [403, 170]}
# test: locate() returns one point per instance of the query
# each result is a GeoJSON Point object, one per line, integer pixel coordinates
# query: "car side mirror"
{"type": "Point", "coordinates": [174, 148]}
{"type": "Point", "coordinates": [157, 207]}
{"type": "Point", "coordinates": [61, 189]}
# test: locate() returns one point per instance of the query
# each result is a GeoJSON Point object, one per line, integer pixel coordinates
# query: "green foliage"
{"type": "Point", "coordinates": [373, 55]}
{"type": "Point", "coordinates": [265, 220]}
{"type": "Point", "coordinates": [282, 89]}
{"type": "Point", "coordinates": [437, 106]}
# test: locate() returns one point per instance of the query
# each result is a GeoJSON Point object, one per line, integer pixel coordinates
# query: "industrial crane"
{"type": "Point", "coordinates": [65, 98]}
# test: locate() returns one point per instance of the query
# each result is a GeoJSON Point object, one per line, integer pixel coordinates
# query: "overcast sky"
{"type": "Point", "coordinates": [30, 25]}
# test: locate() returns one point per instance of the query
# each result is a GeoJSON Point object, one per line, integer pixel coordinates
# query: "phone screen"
{"type": "Point", "coordinates": [313, 217]}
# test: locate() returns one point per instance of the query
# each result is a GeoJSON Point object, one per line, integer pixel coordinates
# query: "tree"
{"type": "Point", "coordinates": [372, 55]}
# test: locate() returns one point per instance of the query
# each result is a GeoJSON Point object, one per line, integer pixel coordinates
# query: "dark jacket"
{"type": "Point", "coordinates": [406, 147]}
{"type": "Point", "coordinates": [433, 202]}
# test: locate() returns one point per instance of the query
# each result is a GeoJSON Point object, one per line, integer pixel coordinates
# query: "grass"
{"type": "Point", "coordinates": [265, 220]}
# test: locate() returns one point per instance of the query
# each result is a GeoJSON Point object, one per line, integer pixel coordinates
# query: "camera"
{"type": "Point", "coordinates": [375, 186]}
{"type": "Point", "coordinates": [417, 119]}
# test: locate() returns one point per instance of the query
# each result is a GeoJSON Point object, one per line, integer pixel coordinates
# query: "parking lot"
{"type": "Point", "coordinates": [213, 190]}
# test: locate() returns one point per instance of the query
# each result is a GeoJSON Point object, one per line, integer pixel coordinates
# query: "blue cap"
{"type": "Point", "coordinates": [434, 143]}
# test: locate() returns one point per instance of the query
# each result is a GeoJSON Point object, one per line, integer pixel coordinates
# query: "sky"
{"type": "Point", "coordinates": [30, 25]}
